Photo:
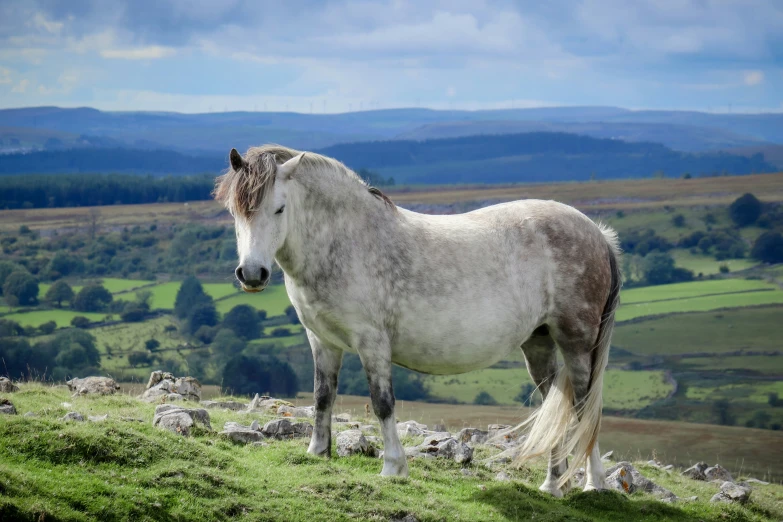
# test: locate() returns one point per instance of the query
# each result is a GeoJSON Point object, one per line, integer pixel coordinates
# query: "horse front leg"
{"type": "Point", "coordinates": [327, 361]}
{"type": "Point", "coordinates": [375, 353]}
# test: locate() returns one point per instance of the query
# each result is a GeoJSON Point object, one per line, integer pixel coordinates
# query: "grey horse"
{"type": "Point", "coordinates": [436, 294]}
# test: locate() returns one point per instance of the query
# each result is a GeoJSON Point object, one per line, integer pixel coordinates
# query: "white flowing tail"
{"type": "Point", "coordinates": [558, 425]}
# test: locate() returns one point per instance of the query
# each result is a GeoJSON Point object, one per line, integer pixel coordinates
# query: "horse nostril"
{"type": "Point", "coordinates": [238, 273]}
{"type": "Point", "coordinates": [264, 274]}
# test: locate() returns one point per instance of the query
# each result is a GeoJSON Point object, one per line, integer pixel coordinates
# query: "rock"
{"type": "Point", "coordinates": [620, 478]}
{"type": "Point", "coordinates": [260, 444]}
{"type": "Point", "coordinates": [285, 429]}
{"type": "Point", "coordinates": [30, 414]}
{"type": "Point", "coordinates": [343, 417]}
{"type": "Point", "coordinates": [131, 419]}
{"type": "Point", "coordinates": [505, 457]}
{"type": "Point", "coordinates": [353, 442]}
{"type": "Point", "coordinates": [223, 405]}
{"type": "Point", "coordinates": [467, 473]}
{"type": "Point", "coordinates": [410, 517]}
{"type": "Point", "coordinates": [730, 492]}
{"type": "Point", "coordinates": [6, 407]}
{"type": "Point", "coordinates": [348, 425]}
{"type": "Point", "coordinates": [668, 467]}
{"type": "Point", "coordinates": [696, 472]}
{"type": "Point", "coordinates": [717, 472]}
{"type": "Point", "coordinates": [472, 435]}
{"type": "Point", "coordinates": [164, 385]}
{"type": "Point", "coordinates": [180, 420]}
{"type": "Point", "coordinates": [266, 404]}
{"type": "Point", "coordinates": [654, 463]}
{"type": "Point", "coordinates": [306, 412]}
{"type": "Point", "coordinates": [624, 477]}
{"type": "Point", "coordinates": [757, 481]}
{"type": "Point", "coordinates": [93, 385]}
{"type": "Point", "coordinates": [608, 455]}
{"type": "Point", "coordinates": [502, 477]}
{"type": "Point", "coordinates": [493, 430]}
{"type": "Point", "coordinates": [445, 446]}
{"type": "Point", "coordinates": [368, 428]}
{"type": "Point", "coordinates": [73, 416]}
{"type": "Point", "coordinates": [98, 418]}
{"type": "Point", "coordinates": [411, 429]}
{"type": "Point", "coordinates": [244, 434]}
{"type": "Point", "coordinates": [6, 386]}
{"type": "Point", "coordinates": [439, 428]}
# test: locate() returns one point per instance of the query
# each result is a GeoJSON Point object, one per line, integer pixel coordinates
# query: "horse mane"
{"type": "Point", "coordinates": [243, 191]}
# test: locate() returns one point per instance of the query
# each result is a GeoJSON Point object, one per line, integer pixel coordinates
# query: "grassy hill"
{"type": "Point", "coordinates": [120, 470]}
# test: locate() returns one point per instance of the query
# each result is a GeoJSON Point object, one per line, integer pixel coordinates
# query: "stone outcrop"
{"type": "Point", "coordinates": [223, 405]}
{"type": "Point", "coordinates": [241, 433]}
{"type": "Point", "coordinates": [163, 386]}
{"type": "Point", "coordinates": [93, 385]}
{"type": "Point", "coordinates": [73, 416]}
{"type": "Point", "coordinates": [302, 412]}
{"type": "Point", "coordinates": [180, 420]}
{"type": "Point", "coordinates": [266, 404]}
{"type": "Point", "coordinates": [717, 472]}
{"type": "Point", "coordinates": [696, 472]}
{"type": "Point", "coordinates": [411, 428]}
{"type": "Point", "coordinates": [353, 442]}
{"type": "Point", "coordinates": [6, 407]}
{"type": "Point", "coordinates": [443, 445]}
{"type": "Point", "coordinates": [6, 386]}
{"type": "Point", "coordinates": [624, 477]}
{"type": "Point", "coordinates": [285, 429]}
{"type": "Point", "coordinates": [733, 493]}
{"type": "Point", "coordinates": [472, 435]}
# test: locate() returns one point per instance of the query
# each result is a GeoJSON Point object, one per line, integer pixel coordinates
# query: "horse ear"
{"type": "Point", "coordinates": [287, 169]}
{"type": "Point", "coordinates": [236, 160]}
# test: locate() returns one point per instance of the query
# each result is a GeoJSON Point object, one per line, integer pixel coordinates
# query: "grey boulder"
{"type": "Point", "coordinates": [696, 472]}
{"type": "Point", "coordinates": [353, 442]}
{"type": "Point", "coordinates": [285, 429]}
{"type": "Point", "coordinates": [717, 472]}
{"type": "Point", "coordinates": [443, 445]}
{"type": "Point", "coordinates": [6, 386]}
{"type": "Point", "coordinates": [306, 412]}
{"type": "Point", "coordinates": [223, 405]}
{"type": "Point", "coordinates": [733, 493]}
{"type": "Point", "coordinates": [266, 404]}
{"type": "Point", "coordinates": [472, 435]}
{"type": "Point", "coordinates": [624, 477]}
{"type": "Point", "coordinates": [6, 407]}
{"type": "Point", "coordinates": [73, 416]}
{"type": "Point", "coordinates": [93, 385]}
{"type": "Point", "coordinates": [241, 433]}
{"type": "Point", "coordinates": [180, 420]}
{"type": "Point", "coordinates": [163, 385]}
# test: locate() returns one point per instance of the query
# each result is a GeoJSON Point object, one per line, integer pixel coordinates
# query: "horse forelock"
{"type": "Point", "coordinates": [243, 191]}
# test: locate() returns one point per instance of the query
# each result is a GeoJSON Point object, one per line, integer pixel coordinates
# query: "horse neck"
{"type": "Point", "coordinates": [324, 224]}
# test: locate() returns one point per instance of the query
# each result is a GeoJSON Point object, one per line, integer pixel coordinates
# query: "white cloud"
{"type": "Point", "coordinates": [753, 77]}
{"type": "Point", "coordinates": [40, 22]}
{"type": "Point", "coordinates": [21, 87]}
{"type": "Point", "coordinates": [152, 52]}
{"type": "Point", "coordinates": [5, 76]}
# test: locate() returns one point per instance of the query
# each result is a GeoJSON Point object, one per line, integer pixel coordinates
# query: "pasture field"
{"type": "Point", "coordinates": [163, 295]}
{"type": "Point", "coordinates": [132, 471]}
{"type": "Point", "coordinates": [649, 294]}
{"type": "Point", "coordinates": [707, 265]}
{"type": "Point", "coordinates": [61, 317]}
{"type": "Point", "coordinates": [623, 390]}
{"type": "Point", "coordinates": [274, 300]}
{"type": "Point", "coordinates": [699, 304]}
{"type": "Point", "coordinates": [712, 332]}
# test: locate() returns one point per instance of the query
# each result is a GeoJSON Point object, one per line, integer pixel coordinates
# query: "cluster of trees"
{"type": "Point", "coordinates": [66, 354]}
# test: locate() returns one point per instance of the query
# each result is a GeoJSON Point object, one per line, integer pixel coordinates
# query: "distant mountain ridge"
{"type": "Point", "coordinates": [538, 156]}
{"type": "Point", "coordinates": [52, 128]}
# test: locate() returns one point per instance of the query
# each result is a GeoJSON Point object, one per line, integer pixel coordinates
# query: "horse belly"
{"type": "Point", "coordinates": [450, 346]}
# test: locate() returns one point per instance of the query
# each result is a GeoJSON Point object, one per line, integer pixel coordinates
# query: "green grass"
{"type": "Point", "coordinates": [699, 304]}
{"type": "Point", "coordinates": [623, 390]}
{"type": "Point", "coordinates": [116, 286]}
{"type": "Point", "coordinates": [649, 294]}
{"type": "Point", "coordinates": [715, 332]}
{"type": "Point", "coordinates": [116, 470]}
{"type": "Point", "coordinates": [274, 300]}
{"type": "Point", "coordinates": [61, 317]}
{"type": "Point", "coordinates": [708, 265]}
{"type": "Point", "coordinates": [163, 295]}
{"type": "Point", "coordinates": [756, 392]}
{"type": "Point", "coordinates": [44, 287]}
{"type": "Point", "coordinates": [220, 290]}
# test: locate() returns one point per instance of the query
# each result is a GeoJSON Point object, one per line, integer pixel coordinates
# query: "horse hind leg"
{"type": "Point", "coordinates": [541, 360]}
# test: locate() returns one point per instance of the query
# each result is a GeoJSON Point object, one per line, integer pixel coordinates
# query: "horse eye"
{"type": "Point", "coordinates": [280, 210]}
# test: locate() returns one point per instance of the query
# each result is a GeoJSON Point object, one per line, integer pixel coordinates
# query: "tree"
{"type": "Point", "coordinates": [21, 288]}
{"type": "Point", "coordinates": [75, 350]}
{"type": "Point", "coordinates": [745, 210]}
{"type": "Point", "coordinates": [525, 395]}
{"type": "Point", "coordinates": [151, 344]}
{"type": "Point", "coordinates": [246, 375]}
{"type": "Point", "coordinates": [659, 269]}
{"type": "Point", "coordinates": [243, 320]}
{"type": "Point", "coordinates": [189, 295]}
{"type": "Point", "coordinates": [60, 291]}
{"type": "Point", "coordinates": [203, 314]}
{"type": "Point", "coordinates": [290, 312]}
{"type": "Point", "coordinates": [484, 399]}
{"type": "Point", "coordinates": [226, 345]}
{"type": "Point", "coordinates": [10, 328]}
{"type": "Point", "coordinates": [722, 411]}
{"type": "Point", "coordinates": [48, 327]}
{"type": "Point", "coordinates": [678, 220]}
{"type": "Point", "coordinates": [136, 359]}
{"type": "Point", "coordinates": [63, 264]}
{"type": "Point", "coordinates": [92, 298]}
{"type": "Point", "coordinates": [6, 269]}
{"type": "Point", "coordinates": [80, 322]}
{"type": "Point", "coordinates": [768, 247]}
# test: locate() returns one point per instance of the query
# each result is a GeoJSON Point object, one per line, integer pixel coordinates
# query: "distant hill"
{"type": "Point", "coordinates": [526, 157]}
{"type": "Point", "coordinates": [772, 153]}
{"type": "Point", "coordinates": [53, 128]}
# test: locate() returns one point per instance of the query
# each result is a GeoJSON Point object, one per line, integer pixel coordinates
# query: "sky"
{"type": "Point", "coordinates": [344, 55]}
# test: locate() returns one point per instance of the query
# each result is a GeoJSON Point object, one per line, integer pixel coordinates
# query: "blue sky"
{"type": "Point", "coordinates": [335, 56]}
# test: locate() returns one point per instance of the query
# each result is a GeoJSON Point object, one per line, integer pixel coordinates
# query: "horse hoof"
{"type": "Point", "coordinates": [395, 470]}
{"type": "Point", "coordinates": [591, 487]}
{"type": "Point", "coordinates": [552, 489]}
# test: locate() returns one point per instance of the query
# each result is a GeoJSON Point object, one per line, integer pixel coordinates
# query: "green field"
{"type": "Point", "coordinates": [708, 265]}
{"type": "Point", "coordinates": [756, 392]}
{"type": "Point", "coordinates": [623, 390]}
{"type": "Point", "coordinates": [220, 290]}
{"type": "Point", "coordinates": [649, 294]}
{"type": "Point", "coordinates": [274, 300]}
{"type": "Point", "coordinates": [700, 304]}
{"type": "Point", "coordinates": [61, 317]}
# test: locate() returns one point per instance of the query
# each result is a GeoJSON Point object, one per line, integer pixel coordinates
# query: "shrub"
{"type": "Point", "coordinates": [724, 269]}
{"type": "Point", "coordinates": [136, 359]}
{"type": "Point", "coordinates": [48, 327]}
{"type": "Point", "coordinates": [247, 375]}
{"type": "Point", "coordinates": [151, 344]}
{"type": "Point", "coordinates": [678, 220]}
{"type": "Point", "coordinates": [768, 247]}
{"type": "Point", "coordinates": [484, 399]}
{"type": "Point", "coordinates": [60, 291]}
{"type": "Point", "coordinates": [92, 298]}
{"type": "Point", "coordinates": [244, 321]}
{"type": "Point", "coordinates": [203, 314]}
{"type": "Point", "coordinates": [21, 288]}
{"type": "Point", "coordinates": [745, 210]}
{"type": "Point", "coordinates": [189, 295]}
{"type": "Point", "coordinates": [80, 322]}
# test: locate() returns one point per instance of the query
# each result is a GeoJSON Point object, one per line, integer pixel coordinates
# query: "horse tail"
{"type": "Point", "coordinates": [558, 422]}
